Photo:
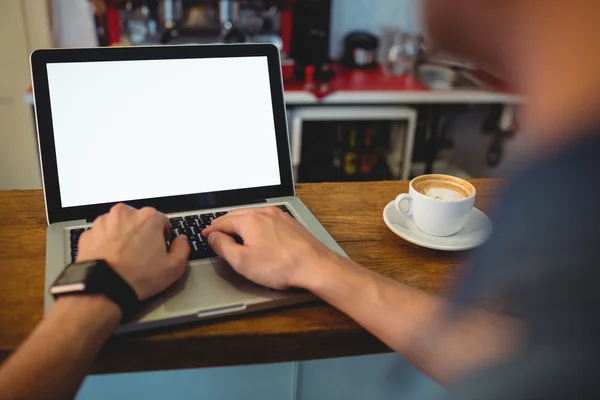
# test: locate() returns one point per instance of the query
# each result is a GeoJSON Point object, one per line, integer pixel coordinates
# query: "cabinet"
{"type": "Point", "coordinates": [351, 143]}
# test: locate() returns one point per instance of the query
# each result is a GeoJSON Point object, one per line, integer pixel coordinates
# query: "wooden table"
{"type": "Point", "coordinates": [351, 212]}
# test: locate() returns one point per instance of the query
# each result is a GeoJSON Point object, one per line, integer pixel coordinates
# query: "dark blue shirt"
{"type": "Point", "coordinates": [543, 259]}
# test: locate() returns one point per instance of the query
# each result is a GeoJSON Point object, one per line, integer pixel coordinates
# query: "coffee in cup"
{"type": "Point", "coordinates": [438, 204]}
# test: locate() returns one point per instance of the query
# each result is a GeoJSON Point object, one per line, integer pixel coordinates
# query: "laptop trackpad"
{"type": "Point", "coordinates": [211, 284]}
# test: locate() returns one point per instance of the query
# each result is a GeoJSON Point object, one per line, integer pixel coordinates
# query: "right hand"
{"type": "Point", "coordinates": [277, 252]}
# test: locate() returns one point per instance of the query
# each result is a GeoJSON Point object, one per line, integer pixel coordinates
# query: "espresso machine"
{"type": "Point", "coordinates": [214, 21]}
{"type": "Point", "coordinates": [310, 33]}
{"type": "Point", "coordinates": [299, 28]}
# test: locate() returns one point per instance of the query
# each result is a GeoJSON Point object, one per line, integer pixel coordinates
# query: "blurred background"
{"type": "Point", "coordinates": [367, 99]}
{"type": "Point", "coordinates": [344, 62]}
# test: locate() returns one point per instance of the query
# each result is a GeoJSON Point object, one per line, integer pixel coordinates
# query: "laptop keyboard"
{"type": "Point", "coordinates": [189, 225]}
{"type": "Point", "coordinates": [75, 234]}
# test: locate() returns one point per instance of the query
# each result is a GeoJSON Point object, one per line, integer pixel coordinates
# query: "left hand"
{"type": "Point", "coordinates": [132, 242]}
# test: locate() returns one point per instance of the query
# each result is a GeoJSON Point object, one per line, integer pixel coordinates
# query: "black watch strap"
{"type": "Point", "coordinates": [104, 280]}
{"type": "Point", "coordinates": [100, 278]}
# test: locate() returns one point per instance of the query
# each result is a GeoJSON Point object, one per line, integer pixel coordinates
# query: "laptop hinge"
{"type": "Point", "coordinates": [179, 210]}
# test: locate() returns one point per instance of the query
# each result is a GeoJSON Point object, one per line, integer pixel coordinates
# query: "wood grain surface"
{"type": "Point", "coordinates": [351, 212]}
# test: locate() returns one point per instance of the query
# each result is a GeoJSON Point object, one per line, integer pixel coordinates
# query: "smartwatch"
{"type": "Point", "coordinates": [96, 277]}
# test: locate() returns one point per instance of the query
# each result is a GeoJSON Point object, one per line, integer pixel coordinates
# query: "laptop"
{"type": "Point", "coordinates": [194, 131]}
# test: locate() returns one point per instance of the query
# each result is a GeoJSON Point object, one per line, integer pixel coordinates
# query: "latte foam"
{"type": "Point", "coordinates": [441, 193]}
{"type": "Point", "coordinates": [441, 187]}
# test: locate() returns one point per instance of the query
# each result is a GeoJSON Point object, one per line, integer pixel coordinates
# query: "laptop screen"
{"type": "Point", "coordinates": [131, 130]}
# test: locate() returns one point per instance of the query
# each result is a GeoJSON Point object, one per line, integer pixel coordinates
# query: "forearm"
{"type": "Point", "coordinates": [53, 361]}
{"type": "Point", "coordinates": [414, 323]}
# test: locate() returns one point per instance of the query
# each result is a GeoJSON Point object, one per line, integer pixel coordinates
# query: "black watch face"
{"type": "Point", "coordinates": [73, 278]}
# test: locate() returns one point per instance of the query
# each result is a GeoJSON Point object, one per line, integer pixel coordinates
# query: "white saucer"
{"type": "Point", "coordinates": [476, 231]}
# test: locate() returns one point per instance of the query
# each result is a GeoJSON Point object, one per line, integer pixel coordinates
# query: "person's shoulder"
{"type": "Point", "coordinates": [546, 225]}
{"type": "Point", "coordinates": [574, 166]}
{"type": "Point", "coordinates": [562, 186]}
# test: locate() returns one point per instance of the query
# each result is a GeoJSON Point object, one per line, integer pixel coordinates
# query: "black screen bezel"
{"type": "Point", "coordinates": [56, 212]}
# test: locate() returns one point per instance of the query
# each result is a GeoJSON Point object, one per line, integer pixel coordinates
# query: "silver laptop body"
{"type": "Point", "coordinates": [209, 288]}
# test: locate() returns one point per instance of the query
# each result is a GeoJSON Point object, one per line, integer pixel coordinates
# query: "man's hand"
{"type": "Point", "coordinates": [132, 242]}
{"type": "Point", "coordinates": [277, 252]}
{"type": "Point", "coordinates": [54, 359]}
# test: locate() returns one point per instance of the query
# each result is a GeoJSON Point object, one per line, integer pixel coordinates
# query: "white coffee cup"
{"type": "Point", "coordinates": [438, 204]}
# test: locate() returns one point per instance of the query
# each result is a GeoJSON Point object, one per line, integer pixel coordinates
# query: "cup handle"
{"type": "Point", "coordinates": [398, 203]}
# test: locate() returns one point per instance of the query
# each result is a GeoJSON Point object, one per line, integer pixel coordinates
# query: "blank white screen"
{"type": "Point", "coordinates": [132, 130]}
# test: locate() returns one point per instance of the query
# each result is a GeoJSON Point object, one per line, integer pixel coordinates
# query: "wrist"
{"type": "Point", "coordinates": [92, 277]}
{"type": "Point", "coordinates": [89, 306]}
{"type": "Point", "coordinates": [317, 271]}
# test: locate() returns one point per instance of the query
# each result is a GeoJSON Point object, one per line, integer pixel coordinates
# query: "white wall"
{"type": "Point", "coordinates": [23, 26]}
{"type": "Point", "coordinates": [371, 16]}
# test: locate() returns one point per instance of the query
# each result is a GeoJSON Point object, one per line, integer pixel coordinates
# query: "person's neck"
{"type": "Point", "coordinates": [560, 73]}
